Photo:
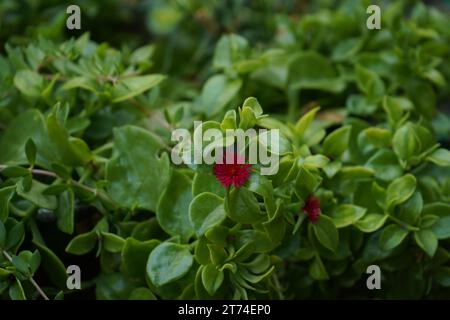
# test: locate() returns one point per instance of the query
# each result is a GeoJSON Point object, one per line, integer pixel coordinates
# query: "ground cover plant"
{"type": "Point", "coordinates": [86, 177]}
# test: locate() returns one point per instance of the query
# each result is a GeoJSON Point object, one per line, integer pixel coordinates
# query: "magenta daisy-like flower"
{"type": "Point", "coordinates": [312, 208]}
{"type": "Point", "coordinates": [234, 173]}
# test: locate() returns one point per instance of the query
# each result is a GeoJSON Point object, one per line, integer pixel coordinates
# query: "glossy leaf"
{"type": "Point", "coordinates": [137, 174]}
{"type": "Point", "coordinates": [205, 211]}
{"type": "Point", "coordinates": [173, 208]}
{"type": "Point", "coordinates": [392, 236]}
{"type": "Point", "coordinates": [326, 232]}
{"type": "Point", "coordinates": [168, 262]}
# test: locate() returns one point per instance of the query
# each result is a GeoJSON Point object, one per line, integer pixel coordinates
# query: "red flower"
{"type": "Point", "coordinates": [233, 173]}
{"type": "Point", "coordinates": [312, 208]}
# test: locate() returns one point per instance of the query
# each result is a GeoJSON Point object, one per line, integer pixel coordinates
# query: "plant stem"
{"type": "Point", "coordinates": [101, 195]}
{"type": "Point", "coordinates": [103, 148]}
{"type": "Point", "coordinates": [403, 224]}
{"type": "Point", "coordinates": [279, 287]}
{"type": "Point", "coordinates": [38, 288]}
{"type": "Point", "coordinates": [43, 173]}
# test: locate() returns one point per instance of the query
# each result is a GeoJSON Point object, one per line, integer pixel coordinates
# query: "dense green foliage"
{"type": "Point", "coordinates": [85, 140]}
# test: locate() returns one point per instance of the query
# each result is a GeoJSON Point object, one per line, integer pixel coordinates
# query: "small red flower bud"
{"type": "Point", "coordinates": [312, 208]}
{"type": "Point", "coordinates": [233, 173]}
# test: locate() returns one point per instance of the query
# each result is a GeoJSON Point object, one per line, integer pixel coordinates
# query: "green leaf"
{"type": "Point", "coordinates": [326, 232]}
{"type": "Point", "coordinates": [371, 222]}
{"type": "Point", "coordinates": [27, 182]}
{"type": "Point", "coordinates": [173, 208]}
{"type": "Point", "coordinates": [315, 161]}
{"type": "Point", "coordinates": [317, 270]}
{"type": "Point", "coordinates": [142, 294]}
{"type": "Point", "coordinates": [229, 120]}
{"type": "Point", "coordinates": [400, 190]}
{"type": "Point", "coordinates": [15, 172]}
{"type": "Point", "coordinates": [15, 137]}
{"type": "Point", "coordinates": [81, 82]}
{"type": "Point", "coordinates": [354, 173]}
{"type": "Point", "coordinates": [71, 151]}
{"type": "Point", "coordinates": [361, 105]}
{"type": "Point", "coordinates": [406, 143]}
{"type": "Point", "coordinates": [137, 175]}
{"type": "Point", "coordinates": [147, 230]}
{"type": "Point", "coordinates": [6, 195]}
{"type": "Point", "coordinates": [61, 171]}
{"type": "Point", "coordinates": [304, 122]}
{"type": "Point", "coordinates": [55, 189]}
{"type": "Point", "coordinates": [135, 254]}
{"type": "Point", "coordinates": [59, 296]}
{"type": "Point", "coordinates": [229, 50]}
{"type": "Point", "coordinates": [391, 237]}
{"type": "Point", "coordinates": [16, 291]}
{"type": "Point", "coordinates": [112, 243]}
{"type": "Point", "coordinates": [263, 186]}
{"type": "Point", "coordinates": [411, 210]}
{"type": "Point", "coordinates": [423, 96]}
{"type": "Point", "coordinates": [442, 276]}
{"type": "Point", "coordinates": [202, 251]}
{"type": "Point", "coordinates": [378, 137]}
{"type": "Point", "coordinates": [36, 196]}
{"type": "Point", "coordinates": [306, 182]}
{"type": "Point", "coordinates": [217, 254]}
{"type": "Point", "coordinates": [242, 206]}
{"type": "Point", "coordinates": [261, 263]}
{"type": "Point", "coordinates": [441, 157]}
{"type": "Point", "coordinates": [65, 211]}
{"type": "Point", "coordinates": [132, 86]}
{"type": "Point", "coordinates": [442, 226]}
{"type": "Point", "coordinates": [385, 165]}
{"type": "Point", "coordinates": [218, 235]}
{"type": "Point", "coordinates": [347, 49]}
{"type": "Point", "coordinates": [15, 236]}
{"type": "Point", "coordinates": [2, 235]}
{"type": "Point", "coordinates": [142, 54]}
{"type": "Point", "coordinates": [21, 265]}
{"type": "Point", "coordinates": [435, 76]}
{"type": "Point", "coordinates": [428, 220]}
{"type": "Point", "coordinates": [35, 261]}
{"type": "Point", "coordinates": [30, 151]}
{"type": "Point", "coordinates": [427, 241]}
{"type": "Point", "coordinates": [244, 252]}
{"type": "Point", "coordinates": [369, 82]}
{"type": "Point", "coordinates": [206, 211]}
{"type": "Point", "coordinates": [393, 108]}
{"type": "Point", "coordinates": [247, 118]}
{"type": "Point", "coordinates": [82, 243]}
{"type": "Point", "coordinates": [379, 194]}
{"type": "Point", "coordinates": [29, 82]}
{"type": "Point", "coordinates": [253, 104]}
{"type": "Point", "coordinates": [331, 168]}
{"type": "Point", "coordinates": [310, 70]}
{"type": "Point", "coordinates": [207, 183]}
{"type": "Point", "coordinates": [217, 93]}
{"type": "Point", "coordinates": [113, 286]}
{"type": "Point", "coordinates": [337, 142]}
{"type": "Point", "coordinates": [168, 262]}
{"type": "Point", "coordinates": [256, 278]}
{"type": "Point", "coordinates": [53, 266]}
{"type": "Point", "coordinates": [276, 226]}
{"type": "Point", "coordinates": [212, 278]}
{"type": "Point", "coordinates": [347, 214]}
